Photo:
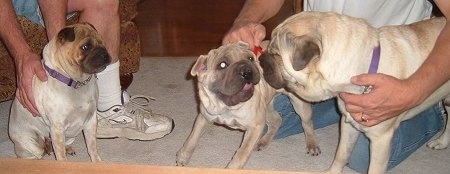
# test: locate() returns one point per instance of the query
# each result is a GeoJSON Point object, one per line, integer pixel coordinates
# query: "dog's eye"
{"type": "Point", "coordinates": [86, 47]}
{"type": "Point", "coordinates": [223, 65]}
{"type": "Point", "coordinates": [251, 58]}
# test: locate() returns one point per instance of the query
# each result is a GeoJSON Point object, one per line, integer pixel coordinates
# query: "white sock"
{"type": "Point", "coordinates": [109, 89]}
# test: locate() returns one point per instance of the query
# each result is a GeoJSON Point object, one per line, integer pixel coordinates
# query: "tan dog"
{"type": "Point", "coordinates": [232, 93]}
{"type": "Point", "coordinates": [67, 101]}
{"type": "Point", "coordinates": [315, 54]}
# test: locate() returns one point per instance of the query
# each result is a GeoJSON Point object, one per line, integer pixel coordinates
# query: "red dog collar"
{"type": "Point", "coordinates": [257, 50]}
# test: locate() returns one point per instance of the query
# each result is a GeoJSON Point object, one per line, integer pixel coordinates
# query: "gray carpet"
{"type": "Point", "coordinates": [167, 80]}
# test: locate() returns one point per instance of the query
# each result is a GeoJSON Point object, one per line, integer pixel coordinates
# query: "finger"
{"type": "Point", "coordinates": [20, 95]}
{"type": "Point", "coordinates": [353, 108]}
{"type": "Point", "coordinates": [30, 102]}
{"type": "Point", "coordinates": [40, 73]}
{"type": "Point", "coordinates": [364, 119]}
{"type": "Point", "coordinates": [259, 34]}
{"type": "Point", "coordinates": [365, 79]}
{"type": "Point", "coordinates": [226, 40]}
{"type": "Point", "coordinates": [353, 102]}
{"type": "Point", "coordinates": [370, 123]}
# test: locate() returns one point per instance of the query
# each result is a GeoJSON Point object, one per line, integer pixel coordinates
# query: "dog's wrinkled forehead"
{"type": "Point", "coordinates": [231, 53]}
{"type": "Point", "coordinates": [79, 33]}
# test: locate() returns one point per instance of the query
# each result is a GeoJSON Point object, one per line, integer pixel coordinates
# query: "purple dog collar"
{"type": "Point", "coordinates": [66, 80]}
{"type": "Point", "coordinates": [373, 68]}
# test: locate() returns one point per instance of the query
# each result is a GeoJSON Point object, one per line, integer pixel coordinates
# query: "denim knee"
{"type": "Point", "coordinates": [409, 136]}
{"type": "Point", "coordinates": [324, 114]}
{"type": "Point", "coordinates": [29, 9]}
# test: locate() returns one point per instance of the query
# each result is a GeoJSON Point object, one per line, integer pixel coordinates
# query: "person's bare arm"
{"type": "Point", "coordinates": [247, 26]}
{"type": "Point", "coordinates": [391, 96]}
{"type": "Point", "coordinates": [435, 71]}
{"type": "Point", "coordinates": [54, 14]}
{"type": "Point", "coordinates": [27, 63]}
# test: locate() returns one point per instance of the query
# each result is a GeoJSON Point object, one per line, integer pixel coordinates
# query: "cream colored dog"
{"type": "Point", "coordinates": [315, 54]}
{"type": "Point", "coordinates": [67, 101]}
{"type": "Point", "coordinates": [232, 93]}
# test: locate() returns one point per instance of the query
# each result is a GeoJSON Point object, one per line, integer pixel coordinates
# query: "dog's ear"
{"type": "Point", "coordinates": [67, 34]}
{"type": "Point", "coordinates": [243, 45]}
{"type": "Point", "coordinates": [199, 66]}
{"type": "Point", "coordinates": [92, 26]}
{"type": "Point", "coordinates": [305, 49]}
{"type": "Point", "coordinates": [271, 70]}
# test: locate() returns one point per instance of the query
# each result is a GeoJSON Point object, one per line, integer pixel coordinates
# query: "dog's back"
{"type": "Point", "coordinates": [405, 47]}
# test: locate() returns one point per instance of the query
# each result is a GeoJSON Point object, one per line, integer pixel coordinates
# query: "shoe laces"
{"type": "Point", "coordinates": [140, 101]}
{"type": "Point", "coordinates": [137, 109]}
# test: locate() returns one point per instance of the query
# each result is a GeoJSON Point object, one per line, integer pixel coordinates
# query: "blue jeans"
{"type": "Point", "coordinates": [30, 9]}
{"type": "Point", "coordinates": [410, 135]}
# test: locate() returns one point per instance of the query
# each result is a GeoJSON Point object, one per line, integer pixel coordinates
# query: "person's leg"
{"type": "Point", "coordinates": [410, 135]}
{"type": "Point", "coordinates": [324, 113]}
{"type": "Point", "coordinates": [104, 16]}
{"type": "Point", "coordinates": [54, 15]}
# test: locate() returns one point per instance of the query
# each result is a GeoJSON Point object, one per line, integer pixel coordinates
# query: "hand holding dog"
{"type": "Point", "coordinates": [252, 33]}
{"type": "Point", "coordinates": [27, 66]}
{"type": "Point", "coordinates": [388, 98]}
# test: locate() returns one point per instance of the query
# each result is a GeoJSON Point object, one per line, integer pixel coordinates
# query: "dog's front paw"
{"type": "Point", "coordinates": [70, 150]}
{"type": "Point", "coordinates": [313, 149]}
{"type": "Point", "coordinates": [261, 145]}
{"type": "Point", "coordinates": [438, 144]}
{"type": "Point", "coordinates": [182, 159]}
{"type": "Point", "coordinates": [181, 162]}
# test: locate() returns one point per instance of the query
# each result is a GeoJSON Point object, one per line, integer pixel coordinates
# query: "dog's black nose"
{"type": "Point", "coordinates": [246, 73]}
{"type": "Point", "coordinates": [105, 57]}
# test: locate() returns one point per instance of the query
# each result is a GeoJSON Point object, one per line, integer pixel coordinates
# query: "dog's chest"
{"type": "Point", "coordinates": [229, 118]}
{"type": "Point", "coordinates": [69, 107]}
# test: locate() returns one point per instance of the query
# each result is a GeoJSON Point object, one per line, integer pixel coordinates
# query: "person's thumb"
{"type": "Point", "coordinates": [362, 79]}
{"type": "Point", "coordinates": [259, 34]}
{"type": "Point", "coordinates": [41, 74]}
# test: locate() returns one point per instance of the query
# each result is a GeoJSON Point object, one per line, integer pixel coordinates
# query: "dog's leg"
{"type": "Point", "coordinates": [273, 121]}
{"type": "Point", "coordinates": [251, 137]}
{"type": "Point", "coordinates": [185, 153]}
{"type": "Point", "coordinates": [444, 139]}
{"type": "Point", "coordinates": [27, 143]}
{"type": "Point", "coordinates": [90, 136]}
{"type": "Point", "coordinates": [347, 140]}
{"type": "Point", "coordinates": [380, 147]}
{"type": "Point", "coordinates": [304, 110]}
{"type": "Point", "coordinates": [28, 147]}
{"type": "Point", "coordinates": [58, 141]}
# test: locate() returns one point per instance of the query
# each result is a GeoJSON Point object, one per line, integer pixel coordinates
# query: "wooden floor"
{"type": "Point", "coordinates": [190, 27]}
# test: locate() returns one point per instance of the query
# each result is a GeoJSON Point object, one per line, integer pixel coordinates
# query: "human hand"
{"type": "Point", "coordinates": [252, 33]}
{"type": "Point", "coordinates": [26, 67]}
{"type": "Point", "coordinates": [388, 98]}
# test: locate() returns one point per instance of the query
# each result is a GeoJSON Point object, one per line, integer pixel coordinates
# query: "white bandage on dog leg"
{"type": "Point", "coordinates": [109, 89]}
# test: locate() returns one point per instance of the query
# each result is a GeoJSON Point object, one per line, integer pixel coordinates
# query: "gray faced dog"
{"type": "Point", "coordinates": [67, 101]}
{"type": "Point", "coordinates": [232, 93]}
{"type": "Point", "coordinates": [312, 55]}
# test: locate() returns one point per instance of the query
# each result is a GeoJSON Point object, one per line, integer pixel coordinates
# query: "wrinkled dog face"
{"type": "Point", "coordinates": [230, 72]}
{"type": "Point", "coordinates": [84, 46]}
{"type": "Point", "coordinates": [286, 54]}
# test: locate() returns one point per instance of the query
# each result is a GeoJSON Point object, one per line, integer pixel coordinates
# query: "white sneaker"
{"type": "Point", "coordinates": [133, 120]}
